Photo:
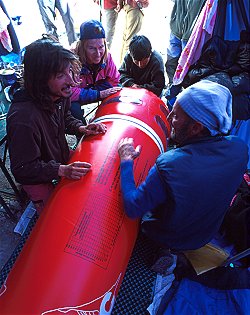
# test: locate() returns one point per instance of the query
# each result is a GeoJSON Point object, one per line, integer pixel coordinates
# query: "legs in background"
{"type": "Point", "coordinates": [133, 24]}
{"type": "Point", "coordinates": [111, 18]}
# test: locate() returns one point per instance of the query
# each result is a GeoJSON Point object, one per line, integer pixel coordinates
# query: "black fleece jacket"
{"type": "Point", "coordinates": [36, 139]}
{"type": "Point", "coordinates": [151, 77]}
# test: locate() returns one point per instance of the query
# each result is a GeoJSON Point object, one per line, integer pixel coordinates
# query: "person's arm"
{"type": "Point", "coordinates": [142, 3]}
{"type": "Point", "coordinates": [28, 167]}
{"type": "Point", "coordinates": [126, 78]}
{"type": "Point", "coordinates": [25, 157]}
{"type": "Point", "coordinates": [85, 95]}
{"type": "Point", "coordinates": [108, 84]}
{"type": "Point", "coordinates": [78, 169]}
{"type": "Point", "coordinates": [157, 82]}
{"type": "Point", "coordinates": [150, 194]}
{"type": "Point", "coordinates": [93, 129]}
{"type": "Point", "coordinates": [75, 170]}
{"type": "Point", "coordinates": [156, 77]}
{"type": "Point", "coordinates": [119, 5]}
{"type": "Point", "coordinates": [111, 74]}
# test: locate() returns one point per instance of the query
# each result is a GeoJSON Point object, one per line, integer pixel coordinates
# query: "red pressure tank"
{"type": "Point", "coordinates": [76, 256]}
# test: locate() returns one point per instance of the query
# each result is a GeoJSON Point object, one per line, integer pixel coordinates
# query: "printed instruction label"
{"type": "Point", "coordinates": [97, 228]}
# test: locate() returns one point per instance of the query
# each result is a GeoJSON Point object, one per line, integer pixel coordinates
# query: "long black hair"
{"type": "Point", "coordinates": [43, 59]}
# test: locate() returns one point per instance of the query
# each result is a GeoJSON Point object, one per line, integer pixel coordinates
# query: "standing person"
{"type": "Point", "coordinates": [99, 76]}
{"type": "Point", "coordinates": [38, 119]}
{"type": "Point", "coordinates": [133, 22]}
{"type": "Point", "coordinates": [183, 18]}
{"type": "Point", "coordinates": [142, 67]}
{"type": "Point", "coordinates": [111, 9]}
{"type": "Point", "coordinates": [47, 9]}
{"type": "Point", "coordinates": [187, 192]}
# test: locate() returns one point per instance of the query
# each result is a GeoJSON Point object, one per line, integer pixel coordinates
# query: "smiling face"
{"type": "Point", "coordinates": [60, 85]}
{"type": "Point", "coordinates": [95, 50]}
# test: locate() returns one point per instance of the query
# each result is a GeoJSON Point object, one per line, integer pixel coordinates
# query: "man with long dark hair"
{"type": "Point", "coordinates": [39, 117]}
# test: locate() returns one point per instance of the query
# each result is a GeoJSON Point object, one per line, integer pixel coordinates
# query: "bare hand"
{"type": "Point", "coordinates": [75, 170]}
{"type": "Point", "coordinates": [126, 149]}
{"type": "Point", "coordinates": [135, 86]}
{"type": "Point", "coordinates": [110, 91]}
{"type": "Point", "coordinates": [93, 129]}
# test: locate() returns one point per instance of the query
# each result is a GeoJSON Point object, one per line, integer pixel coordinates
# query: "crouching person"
{"type": "Point", "coordinates": [38, 119]}
{"type": "Point", "coordinates": [187, 192]}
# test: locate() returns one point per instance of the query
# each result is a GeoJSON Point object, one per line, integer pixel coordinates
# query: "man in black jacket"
{"type": "Point", "coordinates": [39, 117]}
{"type": "Point", "coordinates": [142, 67]}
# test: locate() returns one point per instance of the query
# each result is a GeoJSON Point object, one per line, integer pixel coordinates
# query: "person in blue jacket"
{"type": "Point", "coordinates": [187, 192]}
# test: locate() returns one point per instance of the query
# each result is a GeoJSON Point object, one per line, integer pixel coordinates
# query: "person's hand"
{"type": "Point", "coordinates": [135, 86]}
{"type": "Point", "coordinates": [126, 149]}
{"type": "Point", "coordinates": [119, 6]}
{"type": "Point", "coordinates": [75, 170]}
{"type": "Point", "coordinates": [93, 129]}
{"type": "Point", "coordinates": [110, 91]}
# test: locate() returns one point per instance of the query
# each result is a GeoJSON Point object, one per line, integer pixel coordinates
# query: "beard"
{"type": "Point", "coordinates": [180, 135]}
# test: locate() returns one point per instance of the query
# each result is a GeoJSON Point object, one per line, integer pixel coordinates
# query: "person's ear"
{"type": "Point", "coordinates": [196, 129]}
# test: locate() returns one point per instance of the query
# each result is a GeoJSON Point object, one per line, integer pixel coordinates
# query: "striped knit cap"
{"type": "Point", "coordinates": [208, 103]}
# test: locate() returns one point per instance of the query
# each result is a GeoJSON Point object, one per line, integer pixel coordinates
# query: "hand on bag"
{"type": "Point", "coordinates": [93, 129]}
{"type": "Point", "coordinates": [75, 170]}
{"type": "Point", "coordinates": [126, 149]}
{"type": "Point", "coordinates": [110, 91]}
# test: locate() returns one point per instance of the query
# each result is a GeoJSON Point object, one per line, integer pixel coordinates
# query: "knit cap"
{"type": "Point", "coordinates": [208, 103]}
{"type": "Point", "coordinates": [91, 29]}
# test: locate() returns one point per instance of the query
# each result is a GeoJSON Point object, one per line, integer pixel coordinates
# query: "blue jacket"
{"type": "Point", "coordinates": [187, 192]}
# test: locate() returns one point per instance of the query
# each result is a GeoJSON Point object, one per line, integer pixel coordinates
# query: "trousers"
{"type": "Point", "coordinates": [47, 10]}
{"type": "Point", "coordinates": [133, 24]}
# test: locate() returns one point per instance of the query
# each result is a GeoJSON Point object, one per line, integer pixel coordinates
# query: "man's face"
{"type": "Point", "coordinates": [180, 124]}
{"type": "Point", "coordinates": [95, 50]}
{"type": "Point", "coordinates": [60, 84]}
{"type": "Point", "coordinates": [142, 63]}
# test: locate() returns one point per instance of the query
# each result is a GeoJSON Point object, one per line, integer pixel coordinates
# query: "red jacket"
{"type": "Point", "coordinates": [110, 4]}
